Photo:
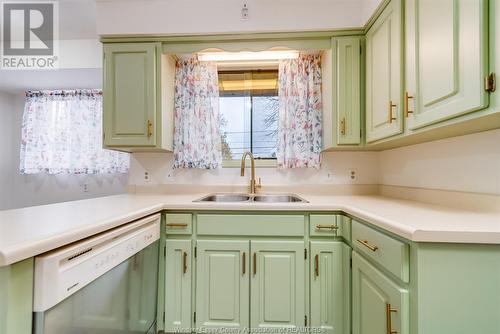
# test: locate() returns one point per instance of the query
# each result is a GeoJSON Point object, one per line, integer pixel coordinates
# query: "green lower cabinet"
{"type": "Point", "coordinates": [222, 284]}
{"type": "Point", "coordinates": [379, 306]}
{"type": "Point", "coordinates": [277, 284]}
{"type": "Point", "coordinates": [178, 276]}
{"type": "Point", "coordinates": [330, 286]}
{"type": "Point", "coordinates": [16, 298]}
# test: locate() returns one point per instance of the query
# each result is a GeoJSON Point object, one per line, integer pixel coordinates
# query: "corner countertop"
{"type": "Point", "coordinates": [30, 231]}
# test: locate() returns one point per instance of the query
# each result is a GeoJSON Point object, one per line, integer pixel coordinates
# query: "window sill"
{"type": "Point", "coordinates": [264, 163]}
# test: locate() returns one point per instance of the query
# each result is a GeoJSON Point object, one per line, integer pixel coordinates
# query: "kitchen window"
{"type": "Point", "coordinates": [248, 102]}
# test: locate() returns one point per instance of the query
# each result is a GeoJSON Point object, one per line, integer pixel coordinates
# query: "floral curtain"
{"type": "Point", "coordinates": [197, 139]}
{"type": "Point", "coordinates": [300, 129]}
{"type": "Point", "coordinates": [62, 133]}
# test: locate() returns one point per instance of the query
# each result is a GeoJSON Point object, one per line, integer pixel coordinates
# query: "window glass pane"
{"type": "Point", "coordinates": [249, 110]}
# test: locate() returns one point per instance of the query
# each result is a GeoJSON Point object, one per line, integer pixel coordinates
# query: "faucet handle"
{"type": "Point", "coordinates": [259, 185]}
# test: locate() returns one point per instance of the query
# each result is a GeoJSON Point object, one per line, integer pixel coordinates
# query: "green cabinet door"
{"type": "Point", "coordinates": [130, 96]}
{"type": "Point", "coordinates": [278, 284]}
{"type": "Point", "coordinates": [329, 283]}
{"type": "Point", "coordinates": [178, 276]}
{"type": "Point", "coordinates": [222, 284]}
{"type": "Point", "coordinates": [379, 306]}
{"type": "Point", "coordinates": [447, 59]}
{"type": "Point", "coordinates": [384, 117]}
{"type": "Point", "coordinates": [348, 90]}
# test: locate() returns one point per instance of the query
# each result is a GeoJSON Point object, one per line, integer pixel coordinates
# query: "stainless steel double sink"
{"type": "Point", "coordinates": [249, 198]}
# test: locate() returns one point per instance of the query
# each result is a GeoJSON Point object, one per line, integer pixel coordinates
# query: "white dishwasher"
{"type": "Point", "coordinates": [105, 284]}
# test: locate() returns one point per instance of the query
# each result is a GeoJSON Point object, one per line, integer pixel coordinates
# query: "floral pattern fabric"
{"type": "Point", "coordinates": [197, 138]}
{"type": "Point", "coordinates": [62, 133]}
{"type": "Point", "coordinates": [300, 124]}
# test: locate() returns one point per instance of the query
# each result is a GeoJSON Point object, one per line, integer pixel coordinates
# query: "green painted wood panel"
{"type": "Point", "coordinates": [329, 275]}
{"type": "Point", "coordinates": [222, 284]}
{"type": "Point", "coordinates": [16, 298]}
{"type": "Point", "coordinates": [323, 225]}
{"type": "Point", "coordinates": [392, 254]}
{"type": "Point", "coordinates": [250, 224]}
{"type": "Point", "coordinates": [372, 292]}
{"type": "Point", "coordinates": [130, 97]}
{"type": "Point", "coordinates": [344, 224]}
{"type": "Point", "coordinates": [348, 90]}
{"type": "Point", "coordinates": [278, 284]}
{"type": "Point", "coordinates": [178, 287]}
{"type": "Point", "coordinates": [179, 223]}
{"type": "Point", "coordinates": [384, 74]}
{"type": "Point", "coordinates": [447, 55]}
{"type": "Point", "coordinates": [456, 290]}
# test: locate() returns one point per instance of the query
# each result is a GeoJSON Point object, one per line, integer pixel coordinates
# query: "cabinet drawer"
{"type": "Point", "coordinates": [321, 225]}
{"type": "Point", "coordinates": [178, 223]}
{"type": "Point", "coordinates": [251, 225]}
{"type": "Point", "coordinates": [392, 254]}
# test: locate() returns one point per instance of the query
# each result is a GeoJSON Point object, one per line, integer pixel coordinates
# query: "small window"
{"type": "Point", "coordinates": [248, 102]}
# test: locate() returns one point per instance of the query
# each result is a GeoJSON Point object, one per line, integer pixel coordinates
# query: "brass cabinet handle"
{"type": "Point", "coordinates": [342, 126]}
{"type": "Point", "coordinates": [184, 263]}
{"type": "Point", "coordinates": [244, 261]}
{"type": "Point", "coordinates": [150, 128]}
{"type": "Point", "coordinates": [177, 225]}
{"type": "Point", "coordinates": [391, 105]}
{"type": "Point", "coordinates": [388, 311]}
{"type": "Point", "coordinates": [327, 227]}
{"type": "Point", "coordinates": [407, 108]}
{"type": "Point", "coordinates": [316, 265]}
{"type": "Point", "coordinates": [254, 263]}
{"type": "Point", "coordinates": [367, 245]}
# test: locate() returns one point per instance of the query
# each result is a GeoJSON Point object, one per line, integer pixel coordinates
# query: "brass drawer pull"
{"type": "Point", "coordinates": [367, 245]}
{"type": "Point", "coordinates": [244, 261]}
{"type": "Point", "coordinates": [150, 128]}
{"type": "Point", "coordinates": [316, 265]}
{"type": "Point", "coordinates": [254, 263]}
{"type": "Point", "coordinates": [391, 105]}
{"type": "Point", "coordinates": [342, 126]}
{"type": "Point", "coordinates": [407, 108]}
{"type": "Point", "coordinates": [184, 263]}
{"type": "Point", "coordinates": [327, 227]}
{"type": "Point", "coordinates": [177, 225]}
{"type": "Point", "coordinates": [388, 311]}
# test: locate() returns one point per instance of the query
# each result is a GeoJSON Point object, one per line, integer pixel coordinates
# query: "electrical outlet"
{"type": "Point", "coordinates": [147, 177]}
{"type": "Point", "coordinates": [353, 175]}
{"type": "Point", "coordinates": [85, 187]}
{"type": "Point", "coordinates": [329, 175]}
{"type": "Point", "coordinates": [244, 12]}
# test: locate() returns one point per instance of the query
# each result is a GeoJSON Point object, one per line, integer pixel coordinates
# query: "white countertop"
{"type": "Point", "coordinates": [34, 230]}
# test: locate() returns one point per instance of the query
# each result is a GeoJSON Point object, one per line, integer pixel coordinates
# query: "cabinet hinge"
{"type": "Point", "coordinates": [195, 252]}
{"type": "Point", "coordinates": [360, 49]}
{"type": "Point", "coordinates": [165, 251]}
{"type": "Point", "coordinates": [305, 321]}
{"type": "Point", "coordinates": [194, 317]}
{"type": "Point", "coordinates": [350, 262]}
{"type": "Point", "coordinates": [305, 253]}
{"type": "Point", "coordinates": [490, 83]}
{"type": "Point", "coordinates": [163, 318]}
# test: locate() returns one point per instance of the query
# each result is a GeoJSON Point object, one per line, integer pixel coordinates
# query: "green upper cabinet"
{"type": "Point", "coordinates": [137, 116]}
{"type": "Point", "coordinates": [278, 284]}
{"type": "Point", "coordinates": [379, 306]}
{"type": "Point", "coordinates": [384, 75]}
{"type": "Point", "coordinates": [447, 59]}
{"type": "Point", "coordinates": [348, 90]}
{"type": "Point", "coordinates": [341, 70]}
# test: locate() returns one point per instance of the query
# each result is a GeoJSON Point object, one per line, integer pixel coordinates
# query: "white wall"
{"type": "Point", "coordinates": [28, 190]}
{"type": "Point", "coordinates": [468, 163]}
{"type": "Point", "coordinates": [334, 170]}
{"type": "Point", "coordinates": [167, 17]}
{"type": "Point", "coordinates": [6, 150]}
